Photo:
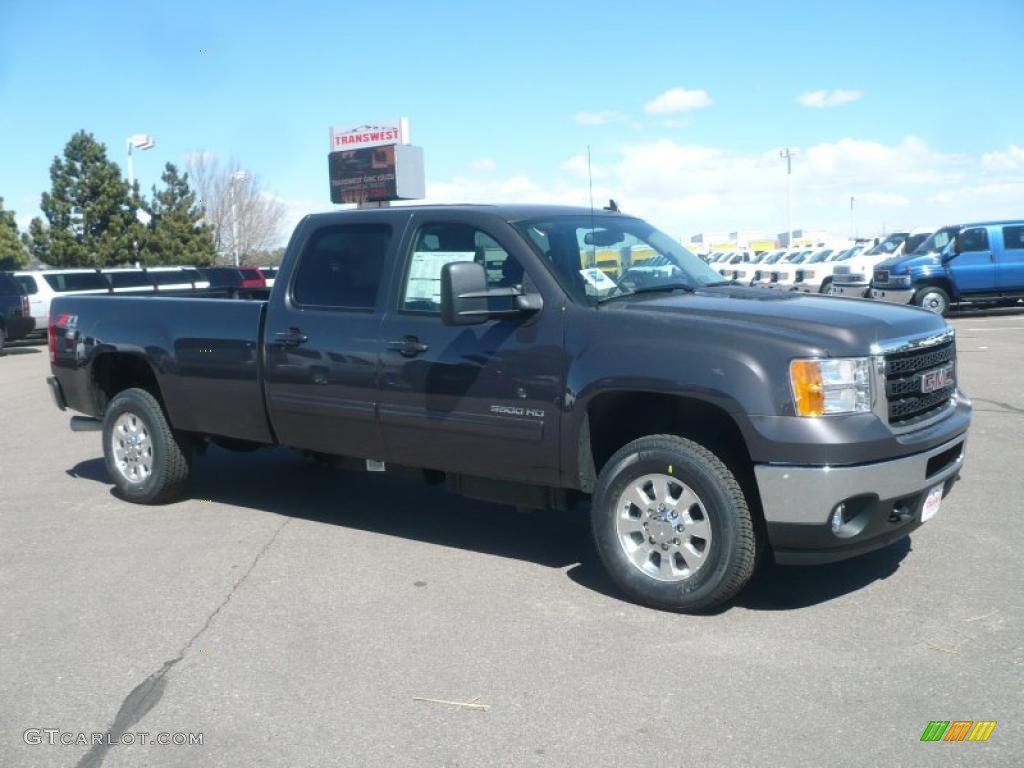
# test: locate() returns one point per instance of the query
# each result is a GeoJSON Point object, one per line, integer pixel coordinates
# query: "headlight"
{"type": "Point", "coordinates": [825, 387]}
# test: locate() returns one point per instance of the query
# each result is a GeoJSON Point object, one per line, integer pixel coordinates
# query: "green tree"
{"type": "Point", "coordinates": [90, 210]}
{"type": "Point", "coordinates": [13, 253]}
{"type": "Point", "coordinates": [176, 231]}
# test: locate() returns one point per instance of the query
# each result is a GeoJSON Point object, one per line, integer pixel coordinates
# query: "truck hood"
{"type": "Point", "coordinates": [860, 264]}
{"type": "Point", "coordinates": [825, 325]}
{"type": "Point", "coordinates": [903, 265]}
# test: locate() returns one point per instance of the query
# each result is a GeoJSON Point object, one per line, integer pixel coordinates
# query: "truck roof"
{"type": "Point", "coordinates": [509, 212]}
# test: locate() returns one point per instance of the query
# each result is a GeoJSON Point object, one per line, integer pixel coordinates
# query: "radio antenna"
{"type": "Point", "coordinates": [590, 182]}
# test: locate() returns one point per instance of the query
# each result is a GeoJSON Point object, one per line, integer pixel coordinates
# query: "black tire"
{"type": "Point", "coordinates": [826, 286]}
{"type": "Point", "coordinates": [731, 558]}
{"type": "Point", "coordinates": [171, 457]}
{"type": "Point", "coordinates": [933, 298]}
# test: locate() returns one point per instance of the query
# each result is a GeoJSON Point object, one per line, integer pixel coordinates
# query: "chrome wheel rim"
{"type": "Point", "coordinates": [663, 528]}
{"type": "Point", "coordinates": [132, 448]}
{"type": "Point", "coordinates": [934, 302]}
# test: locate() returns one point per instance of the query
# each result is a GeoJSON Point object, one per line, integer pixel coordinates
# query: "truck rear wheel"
{"type": "Point", "coordinates": [148, 463]}
{"type": "Point", "coordinates": [672, 526]}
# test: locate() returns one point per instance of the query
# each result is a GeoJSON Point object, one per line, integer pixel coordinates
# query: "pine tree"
{"type": "Point", "coordinates": [90, 210]}
{"type": "Point", "coordinates": [176, 231]}
{"type": "Point", "coordinates": [13, 254]}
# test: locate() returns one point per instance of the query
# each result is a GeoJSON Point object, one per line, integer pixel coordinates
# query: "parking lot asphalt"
{"type": "Point", "coordinates": [293, 616]}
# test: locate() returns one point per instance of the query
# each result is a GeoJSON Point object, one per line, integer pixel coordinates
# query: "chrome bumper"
{"type": "Point", "coordinates": [851, 290]}
{"type": "Point", "coordinates": [893, 296]}
{"type": "Point", "coordinates": [807, 495]}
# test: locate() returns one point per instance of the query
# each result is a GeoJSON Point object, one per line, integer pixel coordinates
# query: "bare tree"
{"type": "Point", "coordinates": [245, 217]}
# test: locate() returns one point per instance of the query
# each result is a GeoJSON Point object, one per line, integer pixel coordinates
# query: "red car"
{"type": "Point", "coordinates": [252, 278]}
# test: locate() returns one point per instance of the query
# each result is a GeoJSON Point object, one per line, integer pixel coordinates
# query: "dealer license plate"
{"type": "Point", "coordinates": [931, 504]}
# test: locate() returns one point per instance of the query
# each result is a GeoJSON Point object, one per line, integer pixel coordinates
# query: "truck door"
{"type": "Point", "coordinates": [322, 338]}
{"type": "Point", "coordinates": [973, 267]}
{"type": "Point", "coordinates": [479, 399]}
{"type": "Point", "coordinates": [1010, 260]}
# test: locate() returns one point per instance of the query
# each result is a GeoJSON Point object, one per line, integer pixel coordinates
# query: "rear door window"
{"type": "Point", "coordinates": [10, 285]}
{"type": "Point", "coordinates": [1013, 238]}
{"type": "Point", "coordinates": [28, 283]}
{"type": "Point", "coordinates": [65, 282]}
{"type": "Point", "coordinates": [175, 277]}
{"type": "Point", "coordinates": [128, 280]}
{"type": "Point", "coordinates": [341, 267]}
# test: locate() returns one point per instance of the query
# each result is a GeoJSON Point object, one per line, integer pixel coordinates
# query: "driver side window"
{"type": "Point", "coordinates": [973, 240]}
{"type": "Point", "coordinates": [438, 244]}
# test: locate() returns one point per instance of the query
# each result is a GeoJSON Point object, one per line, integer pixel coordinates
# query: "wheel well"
{"type": "Point", "coordinates": [115, 372]}
{"type": "Point", "coordinates": [617, 418]}
{"type": "Point", "coordinates": [937, 282]}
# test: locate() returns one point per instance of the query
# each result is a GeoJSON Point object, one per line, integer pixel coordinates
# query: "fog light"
{"type": "Point", "coordinates": [837, 518]}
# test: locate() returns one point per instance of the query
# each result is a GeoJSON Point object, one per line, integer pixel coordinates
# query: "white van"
{"type": "Point", "coordinates": [43, 285]}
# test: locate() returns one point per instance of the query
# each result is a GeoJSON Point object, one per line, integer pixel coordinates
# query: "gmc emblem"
{"type": "Point", "coordinates": [940, 378]}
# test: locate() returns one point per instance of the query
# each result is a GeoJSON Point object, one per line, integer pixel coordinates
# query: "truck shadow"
{"type": "Point", "coordinates": [283, 482]}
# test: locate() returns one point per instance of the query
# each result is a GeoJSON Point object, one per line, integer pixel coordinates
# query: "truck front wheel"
{"type": "Point", "coordinates": [934, 298]}
{"type": "Point", "coordinates": [148, 463]}
{"type": "Point", "coordinates": [672, 526]}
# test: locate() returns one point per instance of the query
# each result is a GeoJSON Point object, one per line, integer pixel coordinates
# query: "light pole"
{"type": "Point", "coordinates": [237, 176]}
{"type": "Point", "coordinates": [141, 141]}
{"type": "Point", "coordinates": [788, 154]}
{"type": "Point", "coordinates": [852, 231]}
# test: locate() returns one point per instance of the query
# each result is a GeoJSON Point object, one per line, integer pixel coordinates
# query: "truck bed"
{"type": "Point", "coordinates": [204, 351]}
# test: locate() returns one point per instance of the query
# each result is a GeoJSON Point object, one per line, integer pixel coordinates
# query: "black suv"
{"type": "Point", "coordinates": [15, 318]}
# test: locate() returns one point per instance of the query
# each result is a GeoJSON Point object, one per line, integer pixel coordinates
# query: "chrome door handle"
{"type": "Point", "coordinates": [293, 337]}
{"type": "Point", "coordinates": [410, 346]}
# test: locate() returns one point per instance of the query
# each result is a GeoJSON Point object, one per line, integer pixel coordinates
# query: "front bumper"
{"type": "Point", "coordinates": [805, 287]}
{"type": "Point", "coordinates": [882, 502]}
{"type": "Point", "coordinates": [893, 295]}
{"type": "Point", "coordinates": [851, 290]}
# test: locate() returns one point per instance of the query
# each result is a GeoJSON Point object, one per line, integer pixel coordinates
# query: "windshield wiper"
{"type": "Point", "coordinates": [651, 289]}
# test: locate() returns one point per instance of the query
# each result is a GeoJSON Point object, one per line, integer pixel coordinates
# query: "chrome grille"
{"type": "Point", "coordinates": [903, 372]}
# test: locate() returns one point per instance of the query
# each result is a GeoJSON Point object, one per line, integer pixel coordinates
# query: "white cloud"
{"type": "Point", "coordinates": [577, 166]}
{"type": "Point", "coordinates": [483, 164]}
{"type": "Point", "coordinates": [598, 118]}
{"type": "Point", "coordinates": [824, 99]}
{"type": "Point", "coordinates": [1009, 162]}
{"type": "Point", "coordinates": [882, 199]}
{"type": "Point", "coordinates": [677, 100]}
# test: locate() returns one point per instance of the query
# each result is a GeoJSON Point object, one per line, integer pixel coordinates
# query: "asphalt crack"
{"type": "Point", "coordinates": [147, 694]}
{"type": "Point", "coordinates": [1005, 406]}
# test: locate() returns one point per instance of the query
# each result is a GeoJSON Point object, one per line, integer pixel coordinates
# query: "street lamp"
{"type": "Point", "coordinates": [788, 153]}
{"type": "Point", "coordinates": [237, 176]}
{"type": "Point", "coordinates": [140, 141]}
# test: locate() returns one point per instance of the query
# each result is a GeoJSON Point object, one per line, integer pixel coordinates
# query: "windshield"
{"type": "Point", "coordinates": [937, 242]}
{"type": "Point", "coordinates": [889, 245]}
{"type": "Point", "coordinates": [820, 256]}
{"type": "Point", "coordinates": [774, 257]}
{"type": "Point", "coordinates": [634, 256]}
{"type": "Point", "coordinates": [914, 241]}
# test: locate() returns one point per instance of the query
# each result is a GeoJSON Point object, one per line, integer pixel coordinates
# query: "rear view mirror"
{"type": "Point", "coordinates": [603, 238]}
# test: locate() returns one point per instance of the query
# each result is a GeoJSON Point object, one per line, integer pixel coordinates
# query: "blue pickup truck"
{"type": "Point", "coordinates": [980, 263]}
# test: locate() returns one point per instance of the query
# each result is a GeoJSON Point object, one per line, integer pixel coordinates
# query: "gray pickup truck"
{"type": "Point", "coordinates": [550, 358]}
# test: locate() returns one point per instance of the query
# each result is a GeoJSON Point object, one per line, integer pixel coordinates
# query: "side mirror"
{"type": "Point", "coordinates": [465, 296]}
{"type": "Point", "coordinates": [463, 293]}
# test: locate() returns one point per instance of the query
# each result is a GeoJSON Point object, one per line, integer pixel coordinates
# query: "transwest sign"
{"type": "Point", "coordinates": [376, 134]}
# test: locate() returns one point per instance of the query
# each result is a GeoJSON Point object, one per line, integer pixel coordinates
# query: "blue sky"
{"type": "Point", "coordinates": [505, 98]}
